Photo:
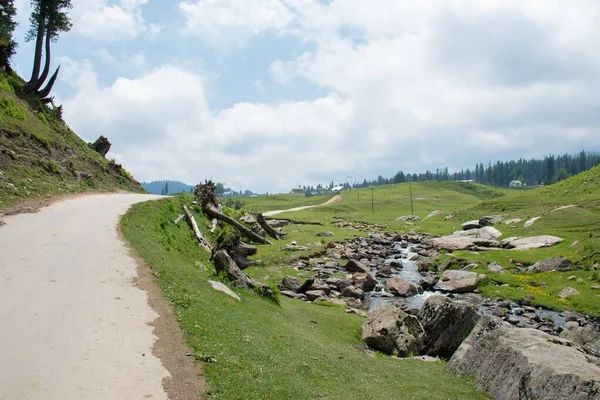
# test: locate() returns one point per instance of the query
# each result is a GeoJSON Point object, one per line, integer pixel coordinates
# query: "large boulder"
{"type": "Point", "coordinates": [400, 287]}
{"type": "Point", "coordinates": [490, 220]}
{"type": "Point", "coordinates": [446, 324]}
{"type": "Point", "coordinates": [460, 242]}
{"type": "Point", "coordinates": [533, 242]}
{"type": "Point", "coordinates": [353, 292]}
{"type": "Point", "coordinates": [366, 282]}
{"type": "Point", "coordinates": [558, 263]}
{"type": "Point", "coordinates": [313, 295]}
{"type": "Point", "coordinates": [568, 292]}
{"type": "Point", "coordinates": [471, 225]}
{"type": "Point", "coordinates": [489, 233]}
{"type": "Point", "coordinates": [356, 266]}
{"type": "Point", "coordinates": [585, 337]}
{"type": "Point", "coordinates": [458, 281]}
{"type": "Point", "coordinates": [392, 331]}
{"type": "Point", "coordinates": [290, 283]}
{"type": "Point", "coordinates": [520, 363]}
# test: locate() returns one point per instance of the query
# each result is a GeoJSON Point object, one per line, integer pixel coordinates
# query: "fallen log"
{"type": "Point", "coordinates": [181, 216]}
{"type": "Point", "coordinates": [202, 241]}
{"type": "Point", "coordinates": [212, 211]}
{"type": "Point", "coordinates": [224, 263]}
{"type": "Point", "coordinates": [244, 262]}
{"type": "Point", "coordinates": [274, 233]}
{"type": "Point", "coordinates": [243, 249]}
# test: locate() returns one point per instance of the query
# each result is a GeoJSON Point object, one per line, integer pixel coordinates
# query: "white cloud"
{"type": "Point", "coordinates": [232, 22]}
{"type": "Point", "coordinates": [412, 85]}
{"type": "Point", "coordinates": [104, 20]}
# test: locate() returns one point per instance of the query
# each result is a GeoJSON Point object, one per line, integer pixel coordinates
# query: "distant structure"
{"type": "Point", "coordinates": [515, 183]}
{"type": "Point", "coordinates": [337, 188]}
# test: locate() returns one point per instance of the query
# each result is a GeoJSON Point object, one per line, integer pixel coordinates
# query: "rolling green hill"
{"type": "Point", "coordinates": [41, 157]}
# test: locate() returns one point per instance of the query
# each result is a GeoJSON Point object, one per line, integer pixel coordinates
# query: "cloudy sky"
{"type": "Point", "coordinates": [269, 94]}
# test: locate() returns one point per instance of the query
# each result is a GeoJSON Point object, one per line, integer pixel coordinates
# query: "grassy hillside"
{"type": "Point", "coordinates": [256, 349]}
{"type": "Point", "coordinates": [41, 157]}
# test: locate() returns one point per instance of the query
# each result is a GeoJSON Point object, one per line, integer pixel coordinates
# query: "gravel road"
{"type": "Point", "coordinates": [73, 325]}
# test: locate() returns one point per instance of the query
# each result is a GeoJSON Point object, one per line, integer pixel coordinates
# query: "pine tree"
{"type": "Point", "coordinates": [7, 27]}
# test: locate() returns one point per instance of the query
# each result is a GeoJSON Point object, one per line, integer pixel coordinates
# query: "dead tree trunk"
{"type": "Point", "coordinates": [224, 263]}
{"type": "Point", "coordinates": [201, 239]}
{"type": "Point", "coordinates": [274, 233]}
{"type": "Point", "coordinates": [213, 212]}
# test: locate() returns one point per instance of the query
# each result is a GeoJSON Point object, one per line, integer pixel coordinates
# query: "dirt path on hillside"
{"type": "Point", "coordinates": [335, 199]}
{"type": "Point", "coordinates": [81, 319]}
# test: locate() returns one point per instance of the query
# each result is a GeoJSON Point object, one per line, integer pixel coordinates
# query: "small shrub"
{"type": "Point", "coordinates": [5, 85]}
{"type": "Point", "coordinates": [12, 109]}
{"type": "Point", "coordinates": [51, 167]}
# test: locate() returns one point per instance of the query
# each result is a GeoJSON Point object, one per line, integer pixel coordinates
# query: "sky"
{"type": "Point", "coordinates": [269, 94]}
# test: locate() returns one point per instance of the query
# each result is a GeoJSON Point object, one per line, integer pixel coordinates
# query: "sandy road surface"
{"type": "Point", "coordinates": [72, 324]}
{"type": "Point", "coordinates": [334, 199]}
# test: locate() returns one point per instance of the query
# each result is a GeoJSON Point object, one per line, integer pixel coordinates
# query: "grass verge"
{"type": "Point", "coordinates": [258, 350]}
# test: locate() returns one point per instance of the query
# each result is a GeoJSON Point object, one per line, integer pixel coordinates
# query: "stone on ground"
{"type": "Point", "coordinates": [489, 233]}
{"type": "Point", "coordinates": [392, 331]}
{"type": "Point", "coordinates": [356, 266]}
{"type": "Point", "coordinates": [400, 287]}
{"type": "Point", "coordinates": [221, 287]}
{"type": "Point", "coordinates": [520, 363]}
{"type": "Point", "coordinates": [289, 283]}
{"type": "Point", "coordinates": [458, 281]}
{"type": "Point", "coordinates": [446, 324]}
{"type": "Point", "coordinates": [558, 263]}
{"type": "Point", "coordinates": [433, 214]}
{"type": "Point", "coordinates": [531, 222]}
{"type": "Point", "coordinates": [471, 225]}
{"type": "Point", "coordinates": [533, 242]}
{"type": "Point", "coordinates": [495, 267]}
{"type": "Point", "coordinates": [568, 292]}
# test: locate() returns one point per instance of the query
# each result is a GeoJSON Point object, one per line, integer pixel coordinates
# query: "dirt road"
{"type": "Point", "coordinates": [334, 199]}
{"type": "Point", "coordinates": [72, 323]}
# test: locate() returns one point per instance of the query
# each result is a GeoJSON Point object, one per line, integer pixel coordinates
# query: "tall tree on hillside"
{"type": "Point", "coordinates": [48, 19]}
{"type": "Point", "coordinates": [7, 26]}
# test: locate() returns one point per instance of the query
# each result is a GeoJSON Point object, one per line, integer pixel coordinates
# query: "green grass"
{"type": "Point", "coordinates": [468, 201]}
{"type": "Point", "coordinates": [264, 351]}
{"type": "Point", "coordinates": [40, 157]}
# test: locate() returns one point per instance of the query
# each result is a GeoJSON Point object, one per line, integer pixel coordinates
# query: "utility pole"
{"type": "Point", "coordinates": [372, 203]}
{"type": "Point", "coordinates": [412, 211]}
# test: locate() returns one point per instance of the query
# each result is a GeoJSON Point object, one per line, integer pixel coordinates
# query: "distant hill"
{"type": "Point", "coordinates": [157, 187]}
{"type": "Point", "coordinates": [41, 157]}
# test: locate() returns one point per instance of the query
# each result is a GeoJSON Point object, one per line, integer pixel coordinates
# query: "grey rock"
{"type": "Point", "coordinates": [408, 218]}
{"type": "Point", "coordinates": [459, 242]}
{"type": "Point", "coordinates": [290, 283]}
{"type": "Point", "coordinates": [558, 263]}
{"type": "Point", "coordinates": [293, 295]}
{"type": "Point", "coordinates": [384, 272]}
{"type": "Point", "coordinates": [568, 292]}
{"type": "Point", "coordinates": [429, 281]}
{"type": "Point", "coordinates": [495, 267]}
{"type": "Point", "coordinates": [458, 281]}
{"type": "Point", "coordinates": [353, 292]}
{"type": "Point", "coordinates": [313, 295]}
{"type": "Point", "coordinates": [490, 220]}
{"type": "Point", "coordinates": [392, 331]}
{"type": "Point", "coordinates": [530, 222]}
{"type": "Point", "coordinates": [446, 324]}
{"type": "Point", "coordinates": [533, 242]}
{"type": "Point", "coordinates": [400, 287]}
{"type": "Point", "coordinates": [356, 266]}
{"type": "Point", "coordinates": [221, 287]}
{"type": "Point", "coordinates": [471, 225]}
{"type": "Point", "coordinates": [522, 363]}
{"type": "Point", "coordinates": [366, 282]}
{"type": "Point", "coordinates": [489, 233]}
{"type": "Point", "coordinates": [325, 234]}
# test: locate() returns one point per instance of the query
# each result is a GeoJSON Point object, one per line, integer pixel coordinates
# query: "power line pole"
{"type": "Point", "coordinates": [412, 211]}
{"type": "Point", "coordinates": [372, 203]}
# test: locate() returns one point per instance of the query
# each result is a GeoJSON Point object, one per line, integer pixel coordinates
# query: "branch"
{"type": "Point", "coordinates": [202, 241]}
{"type": "Point", "coordinates": [274, 233]}
{"type": "Point", "coordinates": [46, 91]}
{"type": "Point", "coordinates": [213, 212]}
{"type": "Point", "coordinates": [46, 70]}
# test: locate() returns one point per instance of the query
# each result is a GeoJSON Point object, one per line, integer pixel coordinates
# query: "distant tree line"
{"type": "Point", "coordinates": [531, 172]}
